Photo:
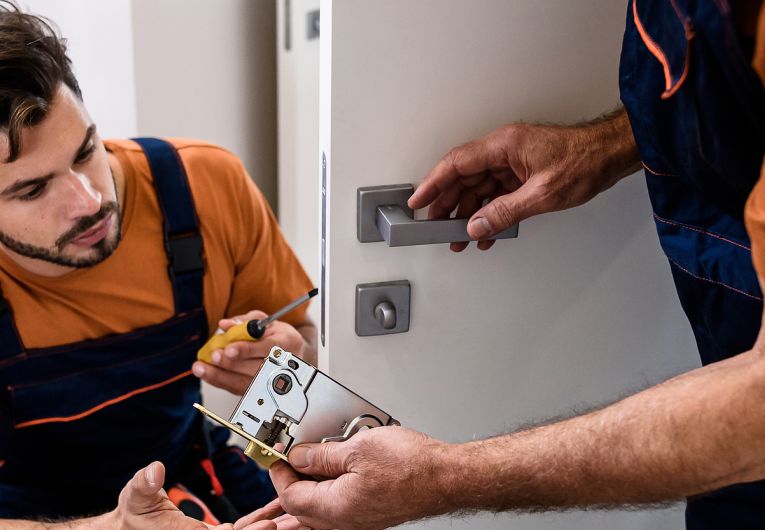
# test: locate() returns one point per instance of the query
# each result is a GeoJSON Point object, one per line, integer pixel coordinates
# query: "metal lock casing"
{"type": "Point", "coordinates": [290, 402]}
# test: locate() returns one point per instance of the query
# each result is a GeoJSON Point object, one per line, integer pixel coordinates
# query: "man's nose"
{"type": "Point", "coordinates": [82, 199]}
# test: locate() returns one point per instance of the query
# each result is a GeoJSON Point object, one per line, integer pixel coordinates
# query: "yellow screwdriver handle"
{"type": "Point", "coordinates": [221, 340]}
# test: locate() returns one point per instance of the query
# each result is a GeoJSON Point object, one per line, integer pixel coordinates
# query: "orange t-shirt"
{"type": "Point", "coordinates": [248, 264]}
{"type": "Point", "coordinates": [754, 217]}
{"type": "Point", "coordinates": [754, 212]}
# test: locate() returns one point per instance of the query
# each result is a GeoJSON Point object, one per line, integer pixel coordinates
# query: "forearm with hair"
{"type": "Point", "coordinates": [89, 523]}
{"type": "Point", "coordinates": [694, 433]}
{"type": "Point", "coordinates": [609, 140]}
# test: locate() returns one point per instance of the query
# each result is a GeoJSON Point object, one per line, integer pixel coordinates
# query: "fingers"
{"type": "Point", "coordinates": [142, 492]}
{"type": "Point", "coordinates": [247, 366]}
{"type": "Point", "coordinates": [262, 525]}
{"type": "Point", "coordinates": [289, 522]}
{"type": "Point", "coordinates": [269, 517]}
{"type": "Point", "coordinates": [505, 211]}
{"type": "Point", "coordinates": [469, 159]}
{"type": "Point", "coordinates": [486, 244]}
{"type": "Point", "coordinates": [313, 503]}
{"type": "Point", "coordinates": [270, 511]}
{"type": "Point", "coordinates": [282, 475]}
{"type": "Point", "coordinates": [310, 502]}
{"type": "Point", "coordinates": [233, 382]}
{"type": "Point", "coordinates": [444, 205]}
{"type": "Point", "coordinates": [297, 496]}
{"type": "Point", "coordinates": [470, 203]}
{"type": "Point", "coordinates": [278, 333]}
{"type": "Point", "coordinates": [321, 460]}
{"type": "Point", "coordinates": [285, 522]}
{"type": "Point", "coordinates": [255, 314]}
{"type": "Point", "coordinates": [234, 367]}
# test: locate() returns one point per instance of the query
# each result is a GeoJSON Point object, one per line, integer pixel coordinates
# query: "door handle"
{"type": "Point", "coordinates": [382, 214]}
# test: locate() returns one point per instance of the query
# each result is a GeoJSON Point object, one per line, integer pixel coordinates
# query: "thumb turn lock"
{"type": "Point", "coordinates": [382, 308]}
{"type": "Point", "coordinates": [385, 313]}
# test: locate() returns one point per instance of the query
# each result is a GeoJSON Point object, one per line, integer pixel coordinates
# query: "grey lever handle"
{"type": "Point", "coordinates": [383, 215]}
{"type": "Point", "coordinates": [401, 230]}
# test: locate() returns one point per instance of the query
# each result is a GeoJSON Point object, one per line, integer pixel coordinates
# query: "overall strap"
{"type": "Point", "coordinates": [183, 241]}
{"type": "Point", "coordinates": [10, 342]}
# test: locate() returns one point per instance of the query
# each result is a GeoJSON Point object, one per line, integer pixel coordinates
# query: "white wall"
{"type": "Point", "coordinates": [207, 69]}
{"type": "Point", "coordinates": [100, 39]}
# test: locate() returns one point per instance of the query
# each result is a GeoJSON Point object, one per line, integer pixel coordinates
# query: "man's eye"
{"type": "Point", "coordinates": [33, 192]}
{"type": "Point", "coordinates": [83, 156]}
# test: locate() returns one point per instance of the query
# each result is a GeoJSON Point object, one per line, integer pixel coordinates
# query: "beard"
{"type": "Point", "coordinates": [100, 251]}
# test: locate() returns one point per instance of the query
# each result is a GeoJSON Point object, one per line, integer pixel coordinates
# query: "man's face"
{"type": "Point", "coordinates": [58, 200]}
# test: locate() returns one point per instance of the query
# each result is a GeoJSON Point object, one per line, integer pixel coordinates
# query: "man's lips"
{"type": "Point", "coordinates": [95, 234]}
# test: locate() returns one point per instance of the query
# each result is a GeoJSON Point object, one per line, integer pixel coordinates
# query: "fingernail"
{"type": "Point", "coordinates": [479, 228]}
{"type": "Point", "coordinates": [151, 474]}
{"type": "Point", "coordinates": [198, 369]}
{"type": "Point", "coordinates": [300, 457]}
{"type": "Point", "coordinates": [231, 352]}
{"type": "Point", "coordinates": [216, 356]}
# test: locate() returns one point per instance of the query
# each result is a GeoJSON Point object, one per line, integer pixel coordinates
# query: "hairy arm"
{"type": "Point", "coordinates": [665, 443]}
{"type": "Point", "coordinates": [521, 170]}
{"type": "Point", "coordinates": [90, 523]}
{"type": "Point", "coordinates": [697, 432]}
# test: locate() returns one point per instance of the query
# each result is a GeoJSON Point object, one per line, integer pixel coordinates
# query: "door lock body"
{"type": "Point", "coordinates": [290, 402]}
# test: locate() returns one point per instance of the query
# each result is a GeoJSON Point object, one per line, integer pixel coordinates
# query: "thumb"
{"type": "Point", "coordinates": [320, 460]}
{"type": "Point", "coordinates": [141, 493]}
{"type": "Point", "coordinates": [503, 212]}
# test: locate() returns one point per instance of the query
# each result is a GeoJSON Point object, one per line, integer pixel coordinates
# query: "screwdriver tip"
{"type": "Point", "coordinates": [313, 292]}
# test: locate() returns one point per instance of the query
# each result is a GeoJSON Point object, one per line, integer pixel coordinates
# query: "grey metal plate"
{"type": "Point", "coordinates": [367, 201]}
{"type": "Point", "coordinates": [368, 295]}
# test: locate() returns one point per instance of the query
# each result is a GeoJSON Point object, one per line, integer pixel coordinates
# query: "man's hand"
{"type": "Point", "coordinates": [379, 478]}
{"type": "Point", "coordinates": [234, 366]}
{"type": "Point", "coordinates": [272, 511]}
{"type": "Point", "coordinates": [143, 504]}
{"type": "Point", "coordinates": [525, 170]}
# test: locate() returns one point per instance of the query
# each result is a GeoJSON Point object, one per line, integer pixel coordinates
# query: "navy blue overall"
{"type": "Point", "coordinates": [697, 110]}
{"type": "Point", "coordinates": [78, 420]}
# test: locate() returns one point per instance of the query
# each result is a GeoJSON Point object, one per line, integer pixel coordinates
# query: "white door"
{"type": "Point", "coordinates": [578, 310]}
{"type": "Point", "coordinates": [297, 46]}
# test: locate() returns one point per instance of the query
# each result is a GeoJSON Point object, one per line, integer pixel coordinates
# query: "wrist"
{"type": "Point", "coordinates": [453, 479]}
{"type": "Point", "coordinates": [106, 520]}
{"type": "Point", "coordinates": [610, 141]}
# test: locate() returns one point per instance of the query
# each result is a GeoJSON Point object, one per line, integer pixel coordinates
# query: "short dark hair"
{"type": "Point", "coordinates": [33, 63]}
